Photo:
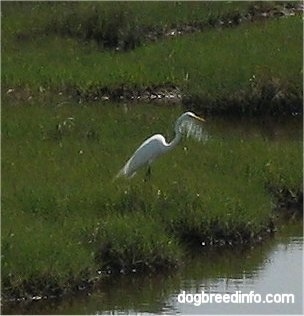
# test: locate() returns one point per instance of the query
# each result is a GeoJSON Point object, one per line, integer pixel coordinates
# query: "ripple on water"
{"type": "Point", "coordinates": [280, 271]}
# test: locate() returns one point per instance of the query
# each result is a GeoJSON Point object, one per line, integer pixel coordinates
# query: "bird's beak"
{"type": "Point", "coordinates": [199, 118]}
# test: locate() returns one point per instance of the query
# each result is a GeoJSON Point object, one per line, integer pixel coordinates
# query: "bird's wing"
{"type": "Point", "coordinates": [144, 154]}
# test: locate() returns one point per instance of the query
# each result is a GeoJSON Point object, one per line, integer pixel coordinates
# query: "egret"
{"type": "Point", "coordinates": [188, 123]}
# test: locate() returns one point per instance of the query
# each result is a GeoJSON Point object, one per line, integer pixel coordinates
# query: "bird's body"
{"type": "Point", "coordinates": [148, 151]}
{"type": "Point", "coordinates": [156, 145]}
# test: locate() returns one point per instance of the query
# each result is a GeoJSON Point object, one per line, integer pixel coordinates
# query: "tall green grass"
{"type": "Point", "coordinates": [64, 220]}
{"type": "Point", "coordinates": [254, 67]}
{"type": "Point", "coordinates": [116, 24]}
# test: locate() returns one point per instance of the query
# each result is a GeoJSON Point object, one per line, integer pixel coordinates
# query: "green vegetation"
{"type": "Point", "coordinates": [120, 24]}
{"type": "Point", "coordinates": [232, 263]}
{"type": "Point", "coordinates": [65, 222]}
{"type": "Point", "coordinates": [252, 68]}
{"type": "Point", "coordinates": [64, 219]}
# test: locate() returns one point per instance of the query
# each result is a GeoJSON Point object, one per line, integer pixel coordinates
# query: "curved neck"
{"type": "Point", "coordinates": [175, 140]}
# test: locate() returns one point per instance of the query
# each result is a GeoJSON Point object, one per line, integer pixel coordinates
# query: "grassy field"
{"type": "Point", "coordinates": [64, 219]}
{"type": "Point", "coordinates": [108, 24]}
{"type": "Point", "coordinates": [256, 67]}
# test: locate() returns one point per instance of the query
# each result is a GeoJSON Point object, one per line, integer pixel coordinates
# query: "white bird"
{"type": "Point", "coordinates": [156, 145]}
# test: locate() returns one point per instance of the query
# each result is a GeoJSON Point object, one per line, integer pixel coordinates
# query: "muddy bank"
{"type": "Point", "coordinates": [168, 93]}
{"type": "Point", "coordinates": [240, 267]}
{"type": "Point", "coordinates": [118, 31]}
{"type": "Point", "coordinates": [257, 12]}
{"type": "Point", "coordinates": [289, 202]}
{"type": "Point", "coordinates": [46, 287]}
{"type": "Point", "coordinates": [268, 98]}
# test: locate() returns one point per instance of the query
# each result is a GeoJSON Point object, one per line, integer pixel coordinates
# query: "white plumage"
{"type": "Point", "coordinates": [187, 124]}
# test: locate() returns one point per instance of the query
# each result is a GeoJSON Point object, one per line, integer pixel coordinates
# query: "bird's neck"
{"type": "Point", "coordinates": [175, 140]}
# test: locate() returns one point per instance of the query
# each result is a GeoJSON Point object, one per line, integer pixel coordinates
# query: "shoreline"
{"type": "Point", "coordinates": [279, 217]}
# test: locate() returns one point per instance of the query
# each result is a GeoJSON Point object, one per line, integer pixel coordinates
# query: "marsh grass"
{"type": "Point", "coordinates": [254, 68]}
{"type": "Point", "coordinates": [122, 25]}
{"type": "Point", "coordinates": [65, 222]}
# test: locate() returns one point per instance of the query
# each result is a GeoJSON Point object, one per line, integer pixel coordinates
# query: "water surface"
{"type": "Point", "coordinates": [275, 266]}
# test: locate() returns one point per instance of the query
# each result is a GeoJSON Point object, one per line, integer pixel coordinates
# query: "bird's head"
{"type": "Point", "coordinates": [191, 115]}
{"type": "Point", "coordinates": [190, 124]}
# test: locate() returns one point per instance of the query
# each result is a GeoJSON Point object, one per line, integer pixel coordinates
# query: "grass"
{"type": "Point", "coordinates": [70, 63]}
{"type": "Point", "coordinates": [116, 24]}
{"type": "Point", "coordinates": [255, 68]}
{"type": "Point", "coordinates": [64, 222]}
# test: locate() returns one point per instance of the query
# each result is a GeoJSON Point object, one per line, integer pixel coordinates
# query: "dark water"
{"type": "Point", "coordinates": [276, 130]}
{"type": "Point", "coordinates": [274, 267]}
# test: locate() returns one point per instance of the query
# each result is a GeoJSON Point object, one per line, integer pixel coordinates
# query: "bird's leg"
{"type": "Point", "coordinates": [148, 174]}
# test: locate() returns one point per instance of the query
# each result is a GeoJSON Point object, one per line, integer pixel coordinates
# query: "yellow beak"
{"type": "Point", "coordinates": [199, 118]}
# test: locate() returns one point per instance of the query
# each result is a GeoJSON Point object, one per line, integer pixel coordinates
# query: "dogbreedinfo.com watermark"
{"type": "Point", "coordinates": [237, 297]}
